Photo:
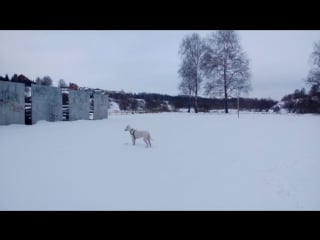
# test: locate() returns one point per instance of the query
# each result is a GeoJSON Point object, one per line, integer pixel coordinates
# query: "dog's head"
{"type": "Point", "coordinates": [127, 128]}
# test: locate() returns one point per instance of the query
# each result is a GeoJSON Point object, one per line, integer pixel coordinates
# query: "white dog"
{"type": "Point", "coordinates": [139, 134]}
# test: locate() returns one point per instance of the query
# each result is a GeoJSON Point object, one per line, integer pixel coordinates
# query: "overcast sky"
{"type": "Point", "coordinates": [147, 61]}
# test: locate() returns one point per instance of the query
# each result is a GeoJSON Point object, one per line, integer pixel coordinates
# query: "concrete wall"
{"type": "Point", "coordinates": [79, 105]}
{"type": "Point", "coordinates": [101, 103]}
{"type": "Point", "coordinates": [12, 103]}
{"type": "Point", "coordinates": [46, 103]}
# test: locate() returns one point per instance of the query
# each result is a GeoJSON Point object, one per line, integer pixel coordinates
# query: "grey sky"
{"type": "Point", "coordinates": [147, 61]}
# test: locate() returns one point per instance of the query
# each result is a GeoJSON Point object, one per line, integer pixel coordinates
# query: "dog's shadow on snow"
{"type": "Point", "coordinates": [141, 145]}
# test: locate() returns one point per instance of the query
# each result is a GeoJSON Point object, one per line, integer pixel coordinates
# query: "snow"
{"type": "Point", "coordinates": [114, 107]}
{"type": "Point", "coordinates": [204, 161]}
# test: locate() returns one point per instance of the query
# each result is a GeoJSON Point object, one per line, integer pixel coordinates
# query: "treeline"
{"type": "Point", "coordinates": [302, 102]}
{"type": "Point", "coordinates": [45, 81]}
{"type": "Point", "coordinates": [18, 78]}
{"type": "Point", "coordinates": [153, 102]}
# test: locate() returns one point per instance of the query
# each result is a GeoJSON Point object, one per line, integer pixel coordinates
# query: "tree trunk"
{"type": "Point", "coordinates": [196, 104]}
{"type": "Point", "coordinates": [196, 100]}
{"type": "Point", "coordinates": [225, 90]}
{"type": "Point", "coordinates": [225, 101]}
{"type": "Point", "coordinates": [238, 105]}
{"type": "Point", "coordinates": [189, 102]}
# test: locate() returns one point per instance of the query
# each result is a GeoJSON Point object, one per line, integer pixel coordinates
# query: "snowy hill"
{"type": "Point", "coordinates": [113, 106]}
{"type": "Point", "coordinates": [278, 108]}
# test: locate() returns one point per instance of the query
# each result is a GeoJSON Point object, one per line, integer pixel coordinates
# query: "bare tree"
{"type": "Point", "coordinates": [38, 81]}
{"type": "Point", "coordinates": [192, 50]}
{"type": "Point", "coordinates": [62, 84]}
{"type": "Point", "coordinates": [225, 66]}
{"type": "Point", "coordinates": [45, 81]}
{"type": "Point", "coordinates": [188, 74]}
{"type": "Point", "coordinates": [314, 74]}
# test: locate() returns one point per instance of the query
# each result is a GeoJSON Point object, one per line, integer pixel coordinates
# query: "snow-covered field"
{"type": "Point", "coordinates": [197, 162]}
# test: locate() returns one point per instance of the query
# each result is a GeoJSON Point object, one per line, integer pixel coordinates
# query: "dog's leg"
{"type": "Point", "coordinates": [148, 137]}
{"type": "Point", "coordinates": [149, 141]}
{"type": "Point", "coordinates": [133, 140]}
{"type": "Point", "coordinates": [145, 140]}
